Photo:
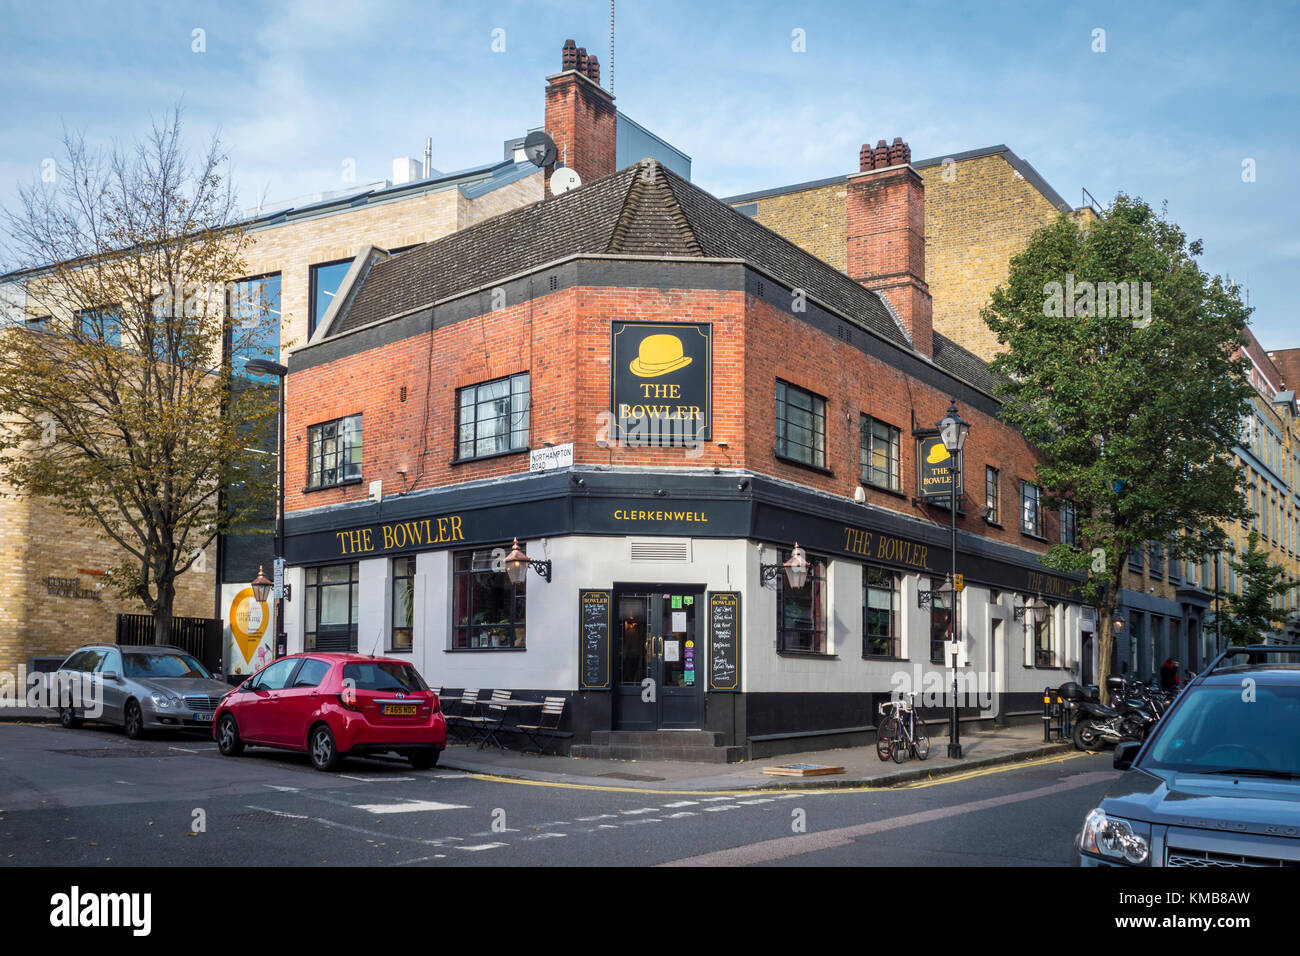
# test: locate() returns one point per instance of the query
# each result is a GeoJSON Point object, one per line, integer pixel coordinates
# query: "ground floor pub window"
{"type": "Point", "coordinates": [487, 610]}
{"type": "Point", "coordinates": [332, 607]}
{"type": "Point", "coordinates": [401, 637]}
{"type": "Point", "coordinates": [1044, 643]}
{"type": "Point", "coordinates": [880, 618]}
{"type": "Point", "coordinates": [940, 618]}
{"type": "Point", "coordinates": [801, 612]}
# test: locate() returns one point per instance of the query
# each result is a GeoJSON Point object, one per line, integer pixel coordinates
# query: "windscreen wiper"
{"type": "Point", "coordinates": [1253, 772]}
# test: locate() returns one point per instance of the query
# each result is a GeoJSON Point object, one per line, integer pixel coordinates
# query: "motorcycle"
{"type": "Point", "coordinates": [1132, 714]}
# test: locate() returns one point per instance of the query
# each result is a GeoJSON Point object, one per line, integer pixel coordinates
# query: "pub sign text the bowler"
{"type": "Point", "coordinates": [661, 382]}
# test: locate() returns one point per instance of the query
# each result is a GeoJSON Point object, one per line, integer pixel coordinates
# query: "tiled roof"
{"type": "Point", "coordinates": [643, 210]}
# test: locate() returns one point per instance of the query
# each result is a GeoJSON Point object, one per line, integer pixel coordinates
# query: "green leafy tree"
{"type": "Point", "coordinates": [117, 406]}
{"type": "Point", "coordinates": [1246, 617]}
{"type": "Point", "coordinates": [1123, 368]}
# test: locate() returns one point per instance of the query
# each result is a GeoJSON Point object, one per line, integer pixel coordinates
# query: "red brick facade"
{"type": "Point", "coordinates": [563, 340]}
{"type": "Point", "coordinates": [581, 118]}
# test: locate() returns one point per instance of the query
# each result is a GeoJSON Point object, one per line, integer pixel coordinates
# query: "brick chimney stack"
{"type": "Point", "coordinates": [886, 236]}
{"type": "Point", "coordinates": [580, 116]}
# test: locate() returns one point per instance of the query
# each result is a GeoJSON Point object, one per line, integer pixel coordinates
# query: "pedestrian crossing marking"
{"type": "Point", "coordinates": [415, 806]}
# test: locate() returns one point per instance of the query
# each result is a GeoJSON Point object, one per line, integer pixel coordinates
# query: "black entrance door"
{"type": "Point", "coordinates": [660, 658]}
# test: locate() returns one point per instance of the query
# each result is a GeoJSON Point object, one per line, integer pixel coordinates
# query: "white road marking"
{"type": "Point", "coordinates": [680, 814]}
{"type": "Point", "coordinates": [488, 833]}
{"type": "Point", "coordinates": [291, 816]}
{"type": "Point", "coordinates": [730, 806]}
{"type": "Point", "coordinates": [375, 779]}
{"type": "Point", "coordinates": [546, 836]}
{"type": "Point", "coordinates": [750, 803]}
{"type": "Point", "coordinates": [632, 823]}
{"type": "Point", "coordinates": [600, 816]}
{"type": "Point", "coordinates": [642, 810]}
{"type": "Point", "coordinates": [481, 846]}
{"type": "Point", "coordinates": [680, 803]}
{"type": "Point", "coordinates": [282, 789]}
{"type": "Point", "coordinates": [422, 859]}
{"type": "Point", "coordinates": [415, 806]}
{"type": "Point", "coordinates": [125, 782]}
{"type": "Point", "coordinates": [452, 776]}
{"type": "Point", "coordinates": [715, 799]}
{"type": "Point", "coordinates": [188, 750]}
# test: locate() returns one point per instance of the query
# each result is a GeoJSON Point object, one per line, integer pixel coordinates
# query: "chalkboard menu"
{"type": "Point", "coordinates": [724, 641]}
{"type": "Point", "coordinates": [593, 639]}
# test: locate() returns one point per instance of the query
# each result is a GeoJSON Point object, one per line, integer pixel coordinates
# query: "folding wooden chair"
{"type": "Point", "coordinates": [458, 723]}
{"type": "Point", "coordinates": [547, 727]}
{"type": "Point", "coordinates": [487, 725]}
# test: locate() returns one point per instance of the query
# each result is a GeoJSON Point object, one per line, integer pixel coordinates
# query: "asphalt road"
{"type": "Point", "coordinates": [89, 797]}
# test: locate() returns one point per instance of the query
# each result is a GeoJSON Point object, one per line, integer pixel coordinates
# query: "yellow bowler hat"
{"type": "Point", "coordinates": [659, 355]}
{"type": "Point", "coordinates": [937, 454]}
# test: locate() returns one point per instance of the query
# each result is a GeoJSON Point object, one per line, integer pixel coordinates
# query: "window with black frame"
{"type": "Point", "coordinates": [488, 612]}
{"type": "Point", "coordinates": [1044, 639]}
{"type": "Point", "coordinates": [801, 612]}
{"type": "Point", "coordinates": [800, 425]}
{"type": "Point", "coordinates": [940, 620]}
{"type": "Point", "coordinates": [1031, 509]}
{"type": "Point", "coordinates": [331, 607]}
{"type": "Point", "coordinates": [879, 455]}
{"type": "Point", "coordinates": [492, 418]}
{"type": "Point", "coordinates": [992, 499]}
{"type": "Point", "coordinates": [1069, 523]}
{"type": "Point", "coordinates": [881, 601]}
{"type": "Point", "coordinates": [334, 452]}
{"type": "Point", "coordinates": [402, 634]}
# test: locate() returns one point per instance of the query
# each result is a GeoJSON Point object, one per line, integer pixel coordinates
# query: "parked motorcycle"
{"type": "Point", "coordinates": [1134, 710]}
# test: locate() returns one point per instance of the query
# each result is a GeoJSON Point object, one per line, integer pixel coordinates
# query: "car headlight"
{"type": "Point", "coordinates": [1113, 838]}
{"type": "Point", "coordinates": [165, 701]}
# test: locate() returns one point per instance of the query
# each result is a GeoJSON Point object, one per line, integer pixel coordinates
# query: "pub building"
{"type": "Point", "coordinates": [656, 398]}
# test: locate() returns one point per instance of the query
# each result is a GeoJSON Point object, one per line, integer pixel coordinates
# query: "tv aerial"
{"type": "Point", "coordinates": [539, 148]}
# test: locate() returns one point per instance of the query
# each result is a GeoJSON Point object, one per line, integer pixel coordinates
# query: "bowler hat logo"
{"type": "Point", "coordinates": [659, 355]}
{"type": "Point", "coordinates": [937, 454]}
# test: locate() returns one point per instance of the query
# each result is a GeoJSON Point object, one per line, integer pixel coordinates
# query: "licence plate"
{"type": "Point", "coordinates": [399, 710]}
{"type": "Point", "coordinates": [203, 718]}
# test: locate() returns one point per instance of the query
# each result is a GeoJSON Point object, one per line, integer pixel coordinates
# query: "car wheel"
{"type": "Point", "coordinates": [228, 741]}
{"type": "Point", "coordinates": [324, 752]}
{"type": "Point", "coordinates": [425, 759]}
{"type": "Point", "coordinates": [133, 722]}
{"type": "Point", "coordinates": [68, 718]}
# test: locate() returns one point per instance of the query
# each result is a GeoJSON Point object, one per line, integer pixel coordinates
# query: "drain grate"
{"type": "Point", "coordinates": [104, 752]}
{"type": "Point", "coordinates": [632, 776]}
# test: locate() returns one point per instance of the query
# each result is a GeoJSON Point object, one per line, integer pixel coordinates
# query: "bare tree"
{"type": "Point", "coordinates": [117, 395]}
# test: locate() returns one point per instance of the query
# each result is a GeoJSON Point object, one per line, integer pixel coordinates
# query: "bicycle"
{"type": "Point", "coordinates": [900, 732]}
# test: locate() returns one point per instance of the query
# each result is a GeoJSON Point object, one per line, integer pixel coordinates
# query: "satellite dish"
{"type": "Point", "coordinates": [563, 180]}
{"type": "Point", "coordinates": [539, 148]}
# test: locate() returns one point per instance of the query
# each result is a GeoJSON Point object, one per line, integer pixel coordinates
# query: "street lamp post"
{"type": "Point", "coordinates": [267, 367]}
{"type": "Point", "coordinates": [953, 431]}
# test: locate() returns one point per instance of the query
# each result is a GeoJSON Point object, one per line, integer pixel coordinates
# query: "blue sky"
{"type": "Point", "coordinates": [1182, 95]}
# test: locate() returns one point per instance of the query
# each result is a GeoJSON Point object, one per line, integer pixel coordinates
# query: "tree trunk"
{"type": "Point", "coordinates": [162, 615]}
{"type": "Point", "coordinates": [1106, 631]}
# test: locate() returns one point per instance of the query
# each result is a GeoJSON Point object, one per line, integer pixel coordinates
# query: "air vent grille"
{"type": "Point", "coordinates": [663, 550]}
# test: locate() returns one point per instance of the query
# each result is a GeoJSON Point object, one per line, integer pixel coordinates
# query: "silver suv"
{"type": "Point", "coordinates": [138, 688]}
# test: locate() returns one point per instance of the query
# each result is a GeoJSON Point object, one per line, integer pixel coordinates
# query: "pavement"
{"type": "Point", "coordinates": [862, 767]}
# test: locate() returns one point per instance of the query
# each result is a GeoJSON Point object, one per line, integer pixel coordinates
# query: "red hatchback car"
{"type": "Point", "coordinates": [333, 705]}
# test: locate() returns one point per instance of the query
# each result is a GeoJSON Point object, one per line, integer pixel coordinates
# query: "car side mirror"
{"type": "Point", "coordinates": [110, 675]}
{"type": "Point", "coordinates": [1125, 753]}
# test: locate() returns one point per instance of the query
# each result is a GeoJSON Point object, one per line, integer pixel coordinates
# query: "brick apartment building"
{"type": "Point", "coordinates": [795, 405]}
{"type": "Point", "coordinates": [302, 251]}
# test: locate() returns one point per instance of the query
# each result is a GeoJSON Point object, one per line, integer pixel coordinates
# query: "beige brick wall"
{"type": "Point", "coordinates": [979, 213]}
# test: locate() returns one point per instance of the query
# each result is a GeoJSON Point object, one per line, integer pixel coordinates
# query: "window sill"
{"type": "Point", "coordinates": [896, 492]}
{"type": "Point", "coordinates": [479, 650]}
{"type": "Point", "coordinates": [338, 484]}
{"type": "Point", "coordinates": [819, 655]}
{"type": "Point", "coordinates": [1036, 537]}
{"type": "Point", "coordinates": [993, 524]}
{"type": "Point", "coordinates": [495, 454]}
{"type": "Point", "coordinates": [879, 657]}
{"type": "Point", "coordinates": [820, 469]}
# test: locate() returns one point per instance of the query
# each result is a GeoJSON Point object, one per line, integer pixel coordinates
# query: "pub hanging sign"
{"type": "Point", "coordinates": [937, 469]}
{"type": "Point", "coordinates": [661, 383]}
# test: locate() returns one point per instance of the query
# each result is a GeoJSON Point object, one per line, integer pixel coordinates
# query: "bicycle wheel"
{"type": "Point", "coordinates": [921, 747]}
{"type": "Point", "coordinates": [902, 742]}
{"type": "Point", "coordinates": [886, 734]}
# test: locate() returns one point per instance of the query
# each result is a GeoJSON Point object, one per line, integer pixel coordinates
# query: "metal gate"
{"type": "Point", "coordinates": [199, 637]}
